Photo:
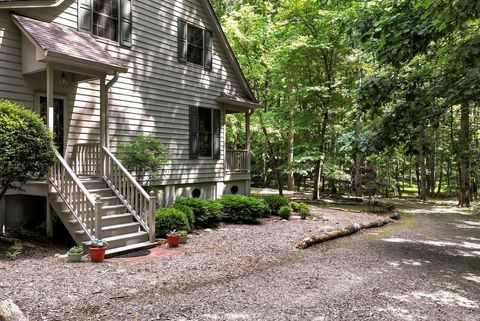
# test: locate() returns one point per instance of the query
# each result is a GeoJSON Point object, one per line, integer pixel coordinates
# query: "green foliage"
{"type": "Point", "coordinates": [243, 209]}
{"type": "Point", "coordinates": [76, 250]}
{"type": "Point", "coordinates": [285, 212]}
{"type": "Point", "coordinates": [145, 155]}
{"type": "Point", "coordinates": [95, 242]}
{"type": "Point", "coordinates": [207, 213]}
{"type": "Point", "coordinates": [12, 255]}
{"type": "Point", "coordinates": [188, 212]}
{"type": "Point", "coordinates": [304, 210]}
{"type": "Point", "coordinates": [170, 219]}
{"type": "Point", "coordinates": [295, 206]}
{"type": "Point", "coordinates": [26, 146]}
{"type": "Point", "coordinates": [275, 202]}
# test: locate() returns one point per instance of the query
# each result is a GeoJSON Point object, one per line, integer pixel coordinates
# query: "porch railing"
{"type": "Point", "coordinates": [236, 161]}
{"type": "Point", "coordinates": [80, 203]}
{"type": "Point", "coordinates": [137, 200]}
{"type": "Point", "coordinates": [86, 159]}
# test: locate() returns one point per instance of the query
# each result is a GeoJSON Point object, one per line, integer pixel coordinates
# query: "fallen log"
{"type": "Point", "coordinates": [9, 311]}
{"type": "Point", "coordinates": [337, 233]}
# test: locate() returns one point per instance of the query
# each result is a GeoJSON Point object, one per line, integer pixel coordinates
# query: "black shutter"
{"type": "Point", "coordinates": [126, 22]}
{"type": "Point", "coordinates": [193, 132]}
{"type": "Point", "coordinates": [85, 15]}
{"type": "Point", "coordinates": [207, 49]}
{"type": "Point", "coordinates": [182, 40]}
{"type": "Point", "coordinates": [216, 133]}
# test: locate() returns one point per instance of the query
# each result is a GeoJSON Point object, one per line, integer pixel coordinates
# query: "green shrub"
{"type": "Point", "coordinates": [304, 210]}
{"type": "Point", "coordinates": [275, 202]}
{"type": "Point", "coordinates": [285, 212]}
{"type": "Point", "coordinates": [243, 209]}
{"type": "Point", "coordinates": [207, 213]}
{"type": "Point", "coordinates": [188, 211]}
{"type": "Point", "coordinates": [169, 219]}
{"type": "Point", "coordinates": [295, 206]}
{"type": "Point", "coordinates": [26, 146]}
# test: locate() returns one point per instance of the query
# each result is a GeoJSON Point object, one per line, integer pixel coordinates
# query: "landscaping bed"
{"type": "Point", "coordinates": [48, 288]}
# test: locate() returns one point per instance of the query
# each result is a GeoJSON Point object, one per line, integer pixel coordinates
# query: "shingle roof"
{"type": "Point", "coordinates": [66, 41]}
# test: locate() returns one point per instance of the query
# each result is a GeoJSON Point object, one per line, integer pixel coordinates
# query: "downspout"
{"type": "Point", "coordinates": [109, 85]}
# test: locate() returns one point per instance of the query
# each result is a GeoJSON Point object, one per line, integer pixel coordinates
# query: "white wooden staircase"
{"type": "Point", "coordinates": [97, 197]}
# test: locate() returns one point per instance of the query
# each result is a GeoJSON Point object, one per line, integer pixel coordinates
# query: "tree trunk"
{"type": "Point", "coordinates": [274, 158]}
{"type": "Point", "coordinates": [318, 167]}
{"type": "Point", "coordinates": [440, 178]}
{"type": "Point", "coordinates": [422, 163]}
{"type": "Point", "coordinates": [464, 156]}
{"type": "Point", "coordinates": [290, 177]}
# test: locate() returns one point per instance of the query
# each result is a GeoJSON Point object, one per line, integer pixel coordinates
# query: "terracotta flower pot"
{"type": "Point", "coordinates": [173, 240]}
{"type": "Point", "coordinates": [97, 254]}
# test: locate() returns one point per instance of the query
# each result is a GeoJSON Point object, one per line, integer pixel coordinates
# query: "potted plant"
{"type": "Point", "coordinates": [75, 254]}
{"type": "Point", "coordinates": [173, 238]}
{"type": "Point", "coordinates": [97, 248]}
{"type": "Point", "coordinates": [183, 237]}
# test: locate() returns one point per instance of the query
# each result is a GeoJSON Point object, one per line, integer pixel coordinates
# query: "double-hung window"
{"type": "Point", "coordinates": [110, 19]}
{"type": "Point", "coordinates": [194, 45]}
{"type": "Point", "coordinates": [204, 132]}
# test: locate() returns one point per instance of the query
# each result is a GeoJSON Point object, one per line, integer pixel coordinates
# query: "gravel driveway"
{"type": "Point", "coordinates": [425, 268]}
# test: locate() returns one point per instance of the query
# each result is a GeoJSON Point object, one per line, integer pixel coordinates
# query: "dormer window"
{"type": "Point", "coordinates": [194, 45]}
{"type": "Point", "coordinates": [109, 19]}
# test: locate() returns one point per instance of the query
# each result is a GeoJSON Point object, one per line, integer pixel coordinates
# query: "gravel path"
{"type": "Point", "coordinates": [425, 268]}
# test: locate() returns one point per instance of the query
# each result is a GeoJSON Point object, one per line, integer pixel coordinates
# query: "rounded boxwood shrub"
{"type": "Point", "coordinates": [243, 209]}
{"type": "Point", "coordinates": [207, 213]}
{"type": "Point", "coordinates": [26, 146]}
{"type": "Point", "coordinates": [275, 202]}
{"type": "Point", "coordinates": [304, 210]}
{"type": "Point", "coordinates": [169, 219]}
{"type": "Point", "coordinates": [188, 211]}
{"type": "Point", "coordinates": [285, 212]}
{"type": "Point", "coordinates": [295, 206]}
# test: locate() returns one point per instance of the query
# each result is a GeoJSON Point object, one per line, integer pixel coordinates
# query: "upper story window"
{"type": "Point", "coordinates": [194, 45]}
{"type": "Point", "coordinates": [110, 19]}
{"type": "Point", "coordinates": [105, 19]}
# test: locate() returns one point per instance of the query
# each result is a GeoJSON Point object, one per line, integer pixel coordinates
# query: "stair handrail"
{"type": "Point", "coordinates": [139, 203]}
{"type": "Point", "coordinates": [83, 206]}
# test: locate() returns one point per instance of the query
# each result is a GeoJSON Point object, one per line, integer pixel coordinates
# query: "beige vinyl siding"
{"type": "Point", "coordinates": [152, 98]}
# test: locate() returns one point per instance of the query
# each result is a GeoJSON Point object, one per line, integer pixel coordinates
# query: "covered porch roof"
{"type": "Point", "coordinates": [66, 47]}
{"type": "Point", "coordinates": [237, 104]}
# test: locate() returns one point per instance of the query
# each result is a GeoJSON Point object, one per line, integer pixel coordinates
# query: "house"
{"type": "Point", "coordinates": [101, 72]}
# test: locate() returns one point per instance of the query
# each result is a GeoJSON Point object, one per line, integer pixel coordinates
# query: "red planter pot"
{"type": "Point", "coordinates": [97, 254]}
{"type": "Point", "coordinates": [173, 240]}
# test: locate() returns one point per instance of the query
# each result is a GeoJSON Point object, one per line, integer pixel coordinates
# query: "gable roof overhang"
{"type": "Point", "coordinates": [66, 46]}
{"type": "Point", "coordinates": [12, 4]}
{"type": "Point", "coordinates": [228, 50]}
{"type": "Point", "coordinates": [236, 104]}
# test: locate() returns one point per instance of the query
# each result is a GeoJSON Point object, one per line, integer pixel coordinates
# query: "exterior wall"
{"type": "Point", "coordinates": [152, 98]}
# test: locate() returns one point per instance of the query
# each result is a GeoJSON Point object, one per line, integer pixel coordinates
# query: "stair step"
{"type": "Point", "coordinates": [110, 200]}
{"type": "Point", "coordinates": [101, 191]}
{"type": "Point", "coordinates": [114, 209]}
{"type": "Point", "coordinates": [129, 248]}
{"type": "Point", "coordinates": [126, 239]}
{"type": "Point", "coordinates": [114, 219]}
{"type": "Point", "coordinates": [115, 230]}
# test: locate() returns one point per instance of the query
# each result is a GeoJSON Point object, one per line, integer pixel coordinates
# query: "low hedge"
{"type": "Point", "coordinates": [169, 219]}
{"type": "Point", "coordinates": [188, 211]}
{"type": "Point", "coordinates": [285, 212]}
{"type": "Point", "coordinates": [243, 209]}
{"type": "Point", "coordinates": [275, 202]}
{"type": "Point", "coordinates": [206, 213]}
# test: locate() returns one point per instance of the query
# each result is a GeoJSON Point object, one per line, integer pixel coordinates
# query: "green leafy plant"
{"type": "Point", "coordinates": [183, 233]}
{"type": "Point", "coordinates": [26, 145]}
{"type": "Point", "coordinates": [304, 210]}
{"type": "Point", "coordinates": [243, 209]}
{"type": "Point", "coordinates": [173, 233]}
{"type": "Point", "coordinates": [144, 156]}
{"type": "Point", "coordinates": [295, 206]}
{"type": "Point", "coordinates": [207, 213]}
{"type": "Point", "coordinates": [188, 211]}
{"type": "Point", "coordinates": [170, 219]}
{"type": "Point", "coordinates": [76, 250]}
{"type": "Point", "coordinates": [13, 255]}
{"type": "Point", "coordinates": [95, 242]}
{"type": "Point", "coordinates": [275, 202]}
{"type": "Point", "coordinates": [285, 212]}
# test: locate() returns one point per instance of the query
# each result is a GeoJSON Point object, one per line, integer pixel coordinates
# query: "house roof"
{"type": "Point", "coordinates": [230, 55]}
{"type": "Point", "coordinates": [237, 101]}
{"type": "Point", "coordinates": [67, 43]}
{"type": "Point", "coordinates": [11, 4]}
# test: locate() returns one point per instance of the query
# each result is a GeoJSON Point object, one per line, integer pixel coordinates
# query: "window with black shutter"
{"type": "Point", "coordinates": [194, 44]}
{"type": "Point", "coordinates": [204, 132]}
{"type": "Point", "coordinates": [110, 19]}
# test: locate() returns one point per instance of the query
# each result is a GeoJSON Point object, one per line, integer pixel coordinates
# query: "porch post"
{"type": "Point", "coordinates": [247, 143]}
{"type": "Point", "coordinates": [50, 113]}
{"type": "Point", "coordinates": [103, 123]}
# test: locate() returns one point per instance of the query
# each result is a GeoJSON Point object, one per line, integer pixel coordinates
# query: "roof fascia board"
{"type": "Point", "coordinates": [29, 4]}
{"type": "Point", "coordinates": [228, 49]}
